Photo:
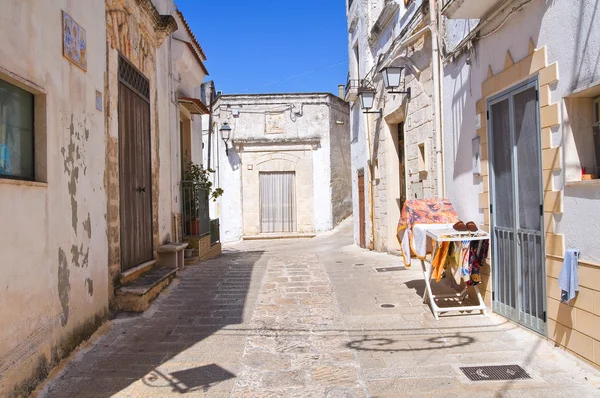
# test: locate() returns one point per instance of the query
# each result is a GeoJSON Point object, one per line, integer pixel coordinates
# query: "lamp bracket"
{"type": "Point", "coordinates": [407, 92]}
{"type": "Point", "coordinates": [379, 112]}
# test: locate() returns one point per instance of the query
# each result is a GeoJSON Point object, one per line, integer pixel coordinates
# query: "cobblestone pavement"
{"type": "Point", "coordinates": [304, 318]}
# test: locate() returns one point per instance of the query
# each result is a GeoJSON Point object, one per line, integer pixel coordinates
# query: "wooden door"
{"type": "Point", "coordinates": [135, 179]}
{"type": "Point", "coordinates": [361, 208]}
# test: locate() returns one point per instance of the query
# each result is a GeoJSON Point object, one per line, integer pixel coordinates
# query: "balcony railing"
{"type": "Point", "coordinates": [215, 231]}
{"type": "Point", "coordinates": [352, 87]}
{"type": "Point", "coordinates": [194, 209]}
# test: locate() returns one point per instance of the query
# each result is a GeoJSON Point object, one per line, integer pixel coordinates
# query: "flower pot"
{"type": "Point", "coordinates": [192, 227]}
{"type": "Point", "coordinates": [188, 253]}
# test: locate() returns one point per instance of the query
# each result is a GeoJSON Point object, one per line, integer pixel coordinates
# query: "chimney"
{"type": "Point", "coordinates": [341, 89]}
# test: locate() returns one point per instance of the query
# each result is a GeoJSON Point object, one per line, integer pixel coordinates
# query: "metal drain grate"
{"type": "Point", "coordinates": [390, 269]}
{"type": "Point", "coordinates": [500, 372]}
{"type": "Point", "coordinates": [387, 305]}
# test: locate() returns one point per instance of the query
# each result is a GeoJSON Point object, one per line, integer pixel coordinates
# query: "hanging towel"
{"type": "Point", "coordinates": [568, 280]}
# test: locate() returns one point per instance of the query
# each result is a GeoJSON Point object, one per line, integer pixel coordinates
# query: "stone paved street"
{"type": "Point", "coordinates": [304, 318]}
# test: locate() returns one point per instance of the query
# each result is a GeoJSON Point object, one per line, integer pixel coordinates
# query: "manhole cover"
{"type": "Point", "coordinates": [390, 269]}
{"type": "Point", "coordinates": [500, 372]}
{"type": "Point", "coordinates": [387, 305]}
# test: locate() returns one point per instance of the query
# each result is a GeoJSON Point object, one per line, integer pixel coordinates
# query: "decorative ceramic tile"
{"type": "Point", "coordinates": [74, 42]}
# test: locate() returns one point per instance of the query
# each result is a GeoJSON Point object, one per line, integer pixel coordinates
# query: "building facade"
{"type": "Point", "coordinates": [53, 241]}
{"type": "Point", "coordinates": [510, 130]}
{"type": "Point", "coordinates": [396, 154]}
{"type": "Point", "coordinates": [286, 169]}
{"type": "Point", "coordinates": [521, 83]}
{"type": "Point", "coordinates": [98, 108]}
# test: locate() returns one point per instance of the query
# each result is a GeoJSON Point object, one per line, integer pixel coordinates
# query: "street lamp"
{"type": "Point", "coordinates": [392, 75]}
{"type": "Point", "coordinates": [367, 99]}
{"type": "Point", "coordinates": [225, 131]}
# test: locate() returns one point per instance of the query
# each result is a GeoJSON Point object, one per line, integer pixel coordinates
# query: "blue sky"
{"type": "Point", "coordinates": [261, 46]}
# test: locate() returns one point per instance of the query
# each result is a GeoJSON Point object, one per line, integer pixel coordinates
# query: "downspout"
{"type": "Point", "coordinates": [371, 180]}
{"type": "Point", "coordinates": [437, 101]}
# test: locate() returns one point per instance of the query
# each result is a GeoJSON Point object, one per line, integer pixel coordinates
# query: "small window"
{"type": "Point", "coordinates": [16, 132]}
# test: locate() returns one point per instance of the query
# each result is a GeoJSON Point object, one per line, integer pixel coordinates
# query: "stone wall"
{"type": "Point", "coordinates": [341, 169]}
{"type": "Point", "coordinates": [135, 30]}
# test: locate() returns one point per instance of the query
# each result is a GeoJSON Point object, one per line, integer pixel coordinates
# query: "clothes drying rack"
{"type": "Point", "coordinates": [450, 235]}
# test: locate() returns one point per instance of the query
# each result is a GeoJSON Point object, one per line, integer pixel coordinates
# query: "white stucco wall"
{"type": "Point", "coordinates": [305, 136]}
{"type": "Point", "coordinates": [53, 242]}
{"type": "Point", "coordinates": [572, 40]}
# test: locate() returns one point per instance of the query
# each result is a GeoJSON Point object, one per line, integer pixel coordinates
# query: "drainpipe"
{"type": "Point", "coordinates": [437, 100]}
{"type": "Point", "coordinates": [371, 180]}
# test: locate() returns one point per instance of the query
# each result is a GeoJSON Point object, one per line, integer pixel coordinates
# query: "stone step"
{"type": "Point", "coordinates": [139, 294]}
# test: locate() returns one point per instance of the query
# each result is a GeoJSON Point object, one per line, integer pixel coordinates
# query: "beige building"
{"type": "Point", "coordinates": [286, 170]}
{"type": "Point", "coordinates": [53, 243]}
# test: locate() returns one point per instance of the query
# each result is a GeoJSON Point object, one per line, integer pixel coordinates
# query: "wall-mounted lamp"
{"type": "Point", "coordinates": [367, 99]}
{"type": "Point", "coordinates": [392, 76]}
{"type": "Point", "coordinates": [225, 131]}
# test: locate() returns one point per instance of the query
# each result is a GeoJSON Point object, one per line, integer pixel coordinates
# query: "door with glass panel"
{"type": "Point", "coordinates": [516, 206]}
{"type": "Point", "coordinates": [278, 201]}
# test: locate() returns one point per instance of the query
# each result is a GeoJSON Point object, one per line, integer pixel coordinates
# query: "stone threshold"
{"type": "Point", "coordinates": [267, 236]}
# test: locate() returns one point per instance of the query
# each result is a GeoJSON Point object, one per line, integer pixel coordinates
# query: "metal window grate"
{"type": "Point", "coordinates": [390, 269]}
{"type": "Point", "coordinates": [129, 75]}
{"type": "Point", "coordinates": [499, 372]}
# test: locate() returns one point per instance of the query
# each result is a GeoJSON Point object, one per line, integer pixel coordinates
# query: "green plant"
{"type": "Point", "coordinates": [200, 176]}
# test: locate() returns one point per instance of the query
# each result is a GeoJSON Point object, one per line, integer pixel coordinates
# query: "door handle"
{"type": "Point", "coordinates": [141, 189]}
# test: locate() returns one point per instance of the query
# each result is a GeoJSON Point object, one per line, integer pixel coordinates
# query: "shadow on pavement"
{"type": "Point", "coordinates": [209, 296]}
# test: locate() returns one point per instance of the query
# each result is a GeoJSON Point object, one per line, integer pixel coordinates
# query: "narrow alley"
{"type": "Point", "coordinates": [310, 318]}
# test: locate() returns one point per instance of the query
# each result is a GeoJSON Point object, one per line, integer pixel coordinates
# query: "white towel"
{"type": "Point", "coordinates": [568, 280]}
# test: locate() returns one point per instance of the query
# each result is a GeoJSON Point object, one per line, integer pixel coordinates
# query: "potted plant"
{"type": "Point", "coordinates": [197, 177]}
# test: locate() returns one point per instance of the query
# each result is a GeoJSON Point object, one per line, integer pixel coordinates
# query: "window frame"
{"type": "Point", "coordinates": [33, 141]}
{"type": "Point", "coordinates": [596, 105]}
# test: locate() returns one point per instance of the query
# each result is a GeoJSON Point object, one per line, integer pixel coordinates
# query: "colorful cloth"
{"type": "Point", "coordinates": [439, 261]}
{"type": "Point", "coordinates": [478, 252]}
{"type": "Point", "coordinates": [422, 211]}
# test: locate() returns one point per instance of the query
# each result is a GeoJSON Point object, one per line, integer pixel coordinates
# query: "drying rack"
{"type": "Point", "coordinates": [450, 235]}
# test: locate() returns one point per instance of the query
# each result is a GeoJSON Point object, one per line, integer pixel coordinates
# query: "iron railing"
{"type": "Point", "coordinates": [194, 209]}
{"type": "Point", "coordinates": [215, 231]}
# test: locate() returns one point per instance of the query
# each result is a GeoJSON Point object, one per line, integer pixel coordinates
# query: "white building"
{"type": "Point", "coordinates": [287, 166]}
{"type": "Point", "coordinates": [523, 79]}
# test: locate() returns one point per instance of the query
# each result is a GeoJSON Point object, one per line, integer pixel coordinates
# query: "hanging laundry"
{"type": "Point", "coordinates": [478, 251]}
{"type": "Point", "coordinates": [439, 261]}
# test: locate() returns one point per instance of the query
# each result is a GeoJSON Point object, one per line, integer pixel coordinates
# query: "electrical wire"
{"type": "Point", "coordinates": [299, 75]}
{"type": "Point", "coordinates": [497, 28]}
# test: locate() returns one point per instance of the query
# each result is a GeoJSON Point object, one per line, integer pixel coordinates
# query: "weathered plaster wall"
{"type": "Point", "coordinates": [287, 132]}
{"type": "Point", "coordinates": [53, 241]}
{"type": "Point", "coordinates": [341, 170]}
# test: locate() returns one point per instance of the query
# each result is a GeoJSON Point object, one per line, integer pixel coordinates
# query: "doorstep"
{"type": "Point", "coordinates": [139, 294]}
{"type": "Point", "coordinates": [279, 235]}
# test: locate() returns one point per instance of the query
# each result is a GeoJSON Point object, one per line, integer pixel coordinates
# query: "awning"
{"type": "Point", "coordinates": [194, 106]}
